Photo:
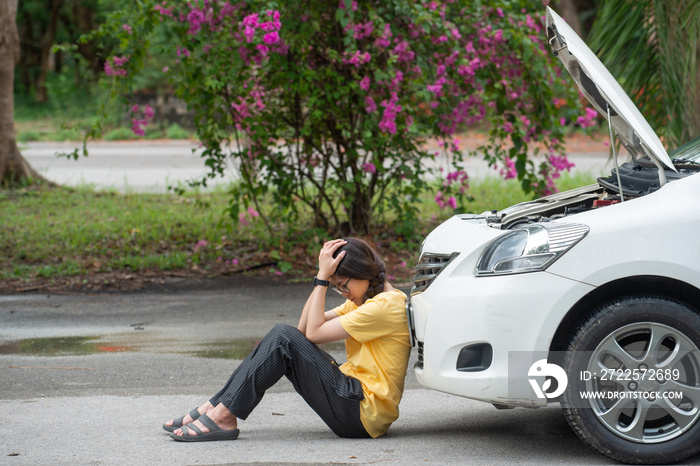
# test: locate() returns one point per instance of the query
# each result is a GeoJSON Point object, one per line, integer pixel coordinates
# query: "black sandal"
{"type": "Point", "coordinates": [215, 432]}
{"type": "Point", "coordinates": [177, 423]}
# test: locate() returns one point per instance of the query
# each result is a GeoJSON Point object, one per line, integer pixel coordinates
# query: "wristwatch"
{"type": "Point", "coordinates": [321, 282]}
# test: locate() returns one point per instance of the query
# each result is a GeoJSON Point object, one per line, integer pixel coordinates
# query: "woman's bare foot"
{"type": "Point", "coordinates": [187, 419]}
{"type": "Point", "coordinates": [221, 416]}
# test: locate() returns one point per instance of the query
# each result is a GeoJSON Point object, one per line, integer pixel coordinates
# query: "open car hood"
{"type": "Point", "coordinates": [603, 92]}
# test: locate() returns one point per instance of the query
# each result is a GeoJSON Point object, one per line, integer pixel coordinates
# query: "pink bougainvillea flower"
{"type": "Point", "coordinates": [271, 38]}
{"type": "Point", "coordinates": [362, 31]}
{"type": "Point", "coordinates": [148, 112]}
{"type": "Point", "coordinates": [249, 33]}
{"type": "Point", "coordinates": [370, 106]}
{"type": "Point", "coordinates": [137, 126]}
{"type": "Point", "coordinates": [364, 83]}
{"type": "Point", "coordinates": [369, 167]}
{"type": "Point", "coordinates": [251, 20]}
{"type": "Point", "coordinates": [403, 53]}
{"type": "Point", "coordinates": [357, 59]}
{"type": "Point", "coordinates": [439, 200]}
{"type": "Point", "coordinates": [113, 66]}
{"type": "Point", "coordinates": [391, 110]}
{"type": "Point", "coordinates": [560, 163]}
{"type": "Point", "coordinates": [263, 49]}
{"type": "Point", "coordinates": [508, 171]}
{"type": "Point", "coordinates": [589, 119]}
{"type": "Point", "coordinates": [196, 18]}
{"type": "Point", "coordinates": [163, 10]}
{"type": "Point", "coordinates": [385, 40]}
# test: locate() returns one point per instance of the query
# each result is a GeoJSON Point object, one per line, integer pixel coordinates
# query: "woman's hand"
{"type": "Point", "coordinates": [327, 264]}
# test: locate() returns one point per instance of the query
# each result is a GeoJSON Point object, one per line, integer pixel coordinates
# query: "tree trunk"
{"type": "Point", "coordinates": [13, 168]}
{"type": "Point", "coordinates": [567, 9]}
{"type": "Point", "coordinates": [83, 21]}
{"type": "Point", "coordinates": [360, 215]}
{"type": "Point", "coordinates": [47, 41]}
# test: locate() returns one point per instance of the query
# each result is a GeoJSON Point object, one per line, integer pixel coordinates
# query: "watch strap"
{"type": "Point", "coordinates": [321, 282]}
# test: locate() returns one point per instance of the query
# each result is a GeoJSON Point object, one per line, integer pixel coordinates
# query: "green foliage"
{"type": "Point", "coordinates": [330, 106]}
{"type": "Point", "coordinates": [118, 134]}
{"type": "Point", "coordinates": [30, 135]}
{"type": "Point", "coordinates": [66, 134]}
{"type": "Point", "coordinates": [175, 131]}
{"type": "Point", "coordinates": [653, 48]}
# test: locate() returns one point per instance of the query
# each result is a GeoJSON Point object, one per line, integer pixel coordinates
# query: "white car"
{"type": "Point", "coordinates": [588, 298]}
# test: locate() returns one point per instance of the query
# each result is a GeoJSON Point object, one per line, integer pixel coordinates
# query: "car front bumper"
{"type": "Point", "coordinates": [513, 316]}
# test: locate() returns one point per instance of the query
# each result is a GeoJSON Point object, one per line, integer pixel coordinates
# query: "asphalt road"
{"type": "Point", "coordinates": [152, 166]}
{"type": "Point", "coordinates": [90, 378]}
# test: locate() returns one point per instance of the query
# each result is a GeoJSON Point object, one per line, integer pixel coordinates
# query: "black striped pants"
{"type": "Point", "coordinates": [285, 351]}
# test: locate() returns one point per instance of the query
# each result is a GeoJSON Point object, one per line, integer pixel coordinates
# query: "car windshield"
{"type": "Point", "coordinates": [690, 151]}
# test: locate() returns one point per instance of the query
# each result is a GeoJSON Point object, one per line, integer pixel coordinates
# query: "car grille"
{"type": "Point", "coordinates": [420, 354]}
{"type": "Point", "coordinates": [429, 267]}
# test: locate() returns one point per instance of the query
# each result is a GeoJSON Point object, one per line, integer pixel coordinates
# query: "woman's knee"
{"type": "Point", "coordinates": [285, 331]}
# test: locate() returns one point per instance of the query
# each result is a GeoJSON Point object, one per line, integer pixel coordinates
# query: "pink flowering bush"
{"type": "Point", "coordinates": [140, 118]}
{"type": "Point", "coordinates": [331, 104]}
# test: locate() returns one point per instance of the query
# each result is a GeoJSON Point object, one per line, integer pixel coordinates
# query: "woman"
{"type": "Point", "coordinates": [358, 399]}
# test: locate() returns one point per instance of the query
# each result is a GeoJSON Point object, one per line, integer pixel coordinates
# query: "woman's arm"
{"type": "Point", "coordinates": [319, 329]}
{"type": "Point", "coordinates": [329, 315]}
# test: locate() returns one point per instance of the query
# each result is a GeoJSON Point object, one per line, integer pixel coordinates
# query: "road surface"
{"type": "Point", "coordinates": [90, 378]}
{"type": "Point", "coordinates": [152, 166]}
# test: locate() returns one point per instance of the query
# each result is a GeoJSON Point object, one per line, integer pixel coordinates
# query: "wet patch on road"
{"type": "Point", "coordinates": [238, 348]}
{"type": "Point", "coordinates": [61, 346]}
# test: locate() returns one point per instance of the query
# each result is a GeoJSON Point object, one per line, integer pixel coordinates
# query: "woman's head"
{"type": "Point", "coordinates": [362, 263]}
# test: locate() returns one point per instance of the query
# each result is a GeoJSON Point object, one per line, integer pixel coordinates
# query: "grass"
{"type": "Point", "coordinates": [60, 232]}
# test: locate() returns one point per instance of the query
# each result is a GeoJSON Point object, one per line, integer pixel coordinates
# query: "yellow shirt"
{"type": "Point", "coordinates": [377, 352]}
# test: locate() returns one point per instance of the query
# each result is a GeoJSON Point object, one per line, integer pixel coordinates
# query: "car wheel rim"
{"type": "Point", "coordinates": [648, 378]}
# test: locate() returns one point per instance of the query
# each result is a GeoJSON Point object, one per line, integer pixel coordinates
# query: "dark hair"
{"type": "Point", "coordinates": [362, 263]}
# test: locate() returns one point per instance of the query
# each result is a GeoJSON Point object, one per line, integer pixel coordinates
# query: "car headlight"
{"type": "Point", "coordinates": [531, 248]}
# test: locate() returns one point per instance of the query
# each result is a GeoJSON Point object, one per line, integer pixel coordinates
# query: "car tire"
{"type": "Point", "coordinates": [658, 337]}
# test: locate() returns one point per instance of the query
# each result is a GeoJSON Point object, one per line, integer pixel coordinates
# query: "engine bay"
{"type": "Point", "coordinates": [636, 178]}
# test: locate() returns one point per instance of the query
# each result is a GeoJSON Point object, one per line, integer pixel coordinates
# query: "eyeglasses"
{"type": "Point", "coordinates": [342, 288]}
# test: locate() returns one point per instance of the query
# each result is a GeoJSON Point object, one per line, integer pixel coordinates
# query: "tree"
{"type": "Point", "coordinates": [39, 37]}
{"type": "Point", "coordinates": [13, 168]}
{"type": "Point", "coordinates": [330, 104]}
{"type": "Point", "coordinates": [45, 24]}
{"type": "Point", "coordinates": [653, 47]}
{"type": "Point", "coordinates": [578, 13]}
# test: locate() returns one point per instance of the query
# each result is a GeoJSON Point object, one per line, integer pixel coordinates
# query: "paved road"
{"type": "Point", "coordinates": [89, 378]}
{"type": "Point", "coordinates": [152, 166]}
